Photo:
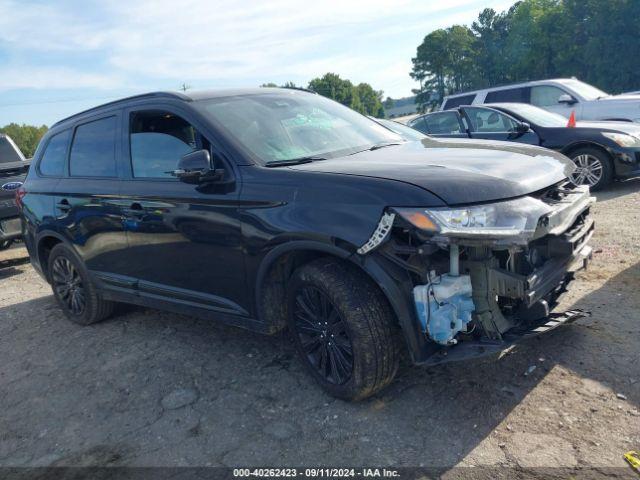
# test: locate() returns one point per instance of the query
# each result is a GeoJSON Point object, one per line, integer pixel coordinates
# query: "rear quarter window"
{"type": "Point", "coordinates": [54, 156]}
{"type": "Point", "coordinates": [8, 152]}
{"type": "Point", "coordinates": [457, 101]}
{"type": "Point", "coordinates": [517, 95]}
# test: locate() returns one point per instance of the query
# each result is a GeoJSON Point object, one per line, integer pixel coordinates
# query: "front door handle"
{"type": "Point", "coordinates": [64, 205]}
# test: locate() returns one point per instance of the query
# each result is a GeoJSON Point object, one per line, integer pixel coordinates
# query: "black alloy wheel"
{"type": "Point", "coordinates": [73, 287]}
{"type": "Point", "coordinates": [343, 328]}
{"type": "Point", "coordinates": [68, 285]}
{"type": "Point", "coordinates": [323, 335]}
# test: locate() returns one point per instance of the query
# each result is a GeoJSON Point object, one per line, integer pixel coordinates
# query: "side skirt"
{"type": "Point", "coordinates": [126, 290]}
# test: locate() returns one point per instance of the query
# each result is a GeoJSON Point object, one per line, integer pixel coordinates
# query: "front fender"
{"type": "Point", "coordinates": [393, 281]}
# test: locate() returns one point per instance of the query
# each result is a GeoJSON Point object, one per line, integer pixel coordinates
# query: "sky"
{"type": "Point", "coordinates": [58, 57]}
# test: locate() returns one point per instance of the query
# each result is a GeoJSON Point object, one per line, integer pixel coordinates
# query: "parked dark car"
{"type": "Point", "coordinates": [602, 151]}
{"type": "Point", "coordinates": [13, 170]}
{"type": "Point", "coordinates": [401, 129]}
{"type": "Point", "coordinates": [276, 208]}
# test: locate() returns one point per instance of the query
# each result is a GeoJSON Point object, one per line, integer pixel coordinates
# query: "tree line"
{"type": "Point", "coordinates": [597, 41]}
{"type": "Point", "coordinates": [362, 97]}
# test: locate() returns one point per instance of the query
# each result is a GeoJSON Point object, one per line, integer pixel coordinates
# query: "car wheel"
{"type": "Point", "coordinates": [4, 244]}
{"type": "Point", "coordinates": [343, 329]}
{"type": "Point", "coordinates": [73, 289]}
{"type": "Point", "coordinates": [593, 168]}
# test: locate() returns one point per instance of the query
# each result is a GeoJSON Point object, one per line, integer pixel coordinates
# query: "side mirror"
{"type": "Point", "coordinates": [523, 127]}
{"type": "Point", "coordinates": [195, 167]}
{"type": "Point", "coordinates": [567, 99]}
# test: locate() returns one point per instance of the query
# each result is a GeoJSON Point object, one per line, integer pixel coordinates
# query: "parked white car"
{"type": "Point", "coordinates": [560, 95]}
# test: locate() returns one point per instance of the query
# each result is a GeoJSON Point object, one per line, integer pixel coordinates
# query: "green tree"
{"type": "Point", "coordinates": [491, 32]}
{"type": "Point", "coordinates": [362, 97]}
{"type": "Point", "coordinates": [430, 66]}
{"type": "Point", "coordinates": [26, 137]}
{"type": "Point", "coordinates": [445, 61]}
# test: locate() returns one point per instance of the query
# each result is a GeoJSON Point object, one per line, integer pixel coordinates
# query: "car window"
{"type": "Point", "coordinates": [406, 132]}
{"type": "Point", "coordinates": [93, 151]}
{"type": "Point", "coordinates": [158, 140]}
{"type": "Point", "coordinates": [8, 152]}
{"type": "Point", "coordinates": [508, 95]}
{"type": "Point", "coordinates": [489, 121]}
{"type": "Point", "coordinates": [545, 95]}
{"type": "Point", "coordinates": [457, 101]}
{"type": "Point", "coordinates": [442, 123]}
{"type": "Point", "coordinates": [55, 154]}
{"type": "Point", "coordinates": [288, 125]}
{"type": "Point", "coordinates": [418, 124]}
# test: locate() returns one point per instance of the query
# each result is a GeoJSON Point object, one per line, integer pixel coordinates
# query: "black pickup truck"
{"type": "Point", "coordinates": [13, 170]}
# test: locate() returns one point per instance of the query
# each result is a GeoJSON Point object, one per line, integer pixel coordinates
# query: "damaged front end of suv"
{"type": "Point", "coordinates": [487, 275]}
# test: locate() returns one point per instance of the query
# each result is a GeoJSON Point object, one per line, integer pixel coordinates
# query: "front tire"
{"type": "Point", "coordinates": [594, 168]}
{"type": "Point", "coordinates": [73, 288]}
{"type": "Point", "coordinates": [343, 329]}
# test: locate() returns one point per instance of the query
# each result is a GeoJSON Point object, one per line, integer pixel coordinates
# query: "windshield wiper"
{"type": "Point", "coordinates": [294, 161]}
{"type": "Point", "coordinates": [382, 145]}
{"type": "Point", "coordinates": [378, 146]}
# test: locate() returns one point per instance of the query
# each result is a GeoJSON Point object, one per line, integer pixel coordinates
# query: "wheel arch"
{"type": "Point", "coordinates": [45, 242]}
{"type": "Point", "coordinates": [587, 144]}
{"type": "Point", "coordinates": [393, 282]}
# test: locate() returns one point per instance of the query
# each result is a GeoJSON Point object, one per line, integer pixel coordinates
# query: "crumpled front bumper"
{"type": "Point", "coordinates": [511, 306]}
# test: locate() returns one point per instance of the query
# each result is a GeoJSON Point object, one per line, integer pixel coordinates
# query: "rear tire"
{"type": "Point", "coordinates": [73, 288]}
{"type": "Point", "coordinates": [343, 329]}
{"type": "Point", "coordinates": [5, 244]}
{"type": "Point", "coordinates": [594, 168]}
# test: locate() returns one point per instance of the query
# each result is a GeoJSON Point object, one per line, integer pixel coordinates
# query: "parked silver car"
{"type": "Point", "coordinates": [560, 95]}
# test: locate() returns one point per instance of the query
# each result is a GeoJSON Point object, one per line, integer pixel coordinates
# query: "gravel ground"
{"type": "Point", "coordinates": [148, 388]}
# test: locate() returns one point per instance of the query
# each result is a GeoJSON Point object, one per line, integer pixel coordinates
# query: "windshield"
{"type": "Point", "coordinates": [586, 91]}
{"type": "Point", "coordinates": [404, 131]}
{"type": "Point", "coordinates": [537, 116]}
{"type": "Point", "coordinates": [290, 125]}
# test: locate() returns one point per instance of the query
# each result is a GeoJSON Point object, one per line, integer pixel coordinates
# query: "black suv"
{"type": "Point", "coordinates": [13, 170]}
{"type": "Point", "coordinates": [276, 208]}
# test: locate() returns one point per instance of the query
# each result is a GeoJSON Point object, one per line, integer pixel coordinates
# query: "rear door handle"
{"type": "Point", "coordinates": [64, 205]}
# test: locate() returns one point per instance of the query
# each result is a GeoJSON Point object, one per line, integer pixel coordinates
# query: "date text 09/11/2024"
{"type": "Point", "coordinates": [316, 472]}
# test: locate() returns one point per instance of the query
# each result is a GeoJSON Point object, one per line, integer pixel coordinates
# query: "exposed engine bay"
{"type": "Point", "coordinates": [490, 273]}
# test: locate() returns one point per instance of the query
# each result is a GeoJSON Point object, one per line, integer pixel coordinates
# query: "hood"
{"type": "Point", "coordinates": [624, 97]}
{"type": "Point", "coordinates": [457, 171]}
{"type": "Point", "coordinates": [624, 127]}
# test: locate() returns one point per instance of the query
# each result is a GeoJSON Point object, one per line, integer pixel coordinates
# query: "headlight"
{"type": "Point", "coordinates": [623, 139]}
{"type": "Point", "coordinates": [512, 218]}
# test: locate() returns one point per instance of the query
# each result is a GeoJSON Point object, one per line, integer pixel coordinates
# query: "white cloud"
{"type": "Point", "coordinates": [222, 42]}
{"type": "Point", "coordinates": [33, 76]}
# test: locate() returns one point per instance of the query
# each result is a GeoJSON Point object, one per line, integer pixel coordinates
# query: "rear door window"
{"type": "Point", "coordinates": [444, 123]}
{"type": "Point", "coordinates": [457, 101]}
{"type": "Point", "coordinates": [55, 155]}
{"type": "Point", "coordinates": [93, 151]}
{"type": "Point", "coordinates": [517, 95]}
{"type": "Point", "coordinates": [419, 124]}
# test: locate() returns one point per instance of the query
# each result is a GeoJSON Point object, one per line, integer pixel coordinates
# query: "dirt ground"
{"type": "Point", "coordinates": [148, 388]}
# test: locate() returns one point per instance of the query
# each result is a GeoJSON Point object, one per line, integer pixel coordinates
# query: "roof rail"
{"type": "Point", "coordinates": [177, 95]}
